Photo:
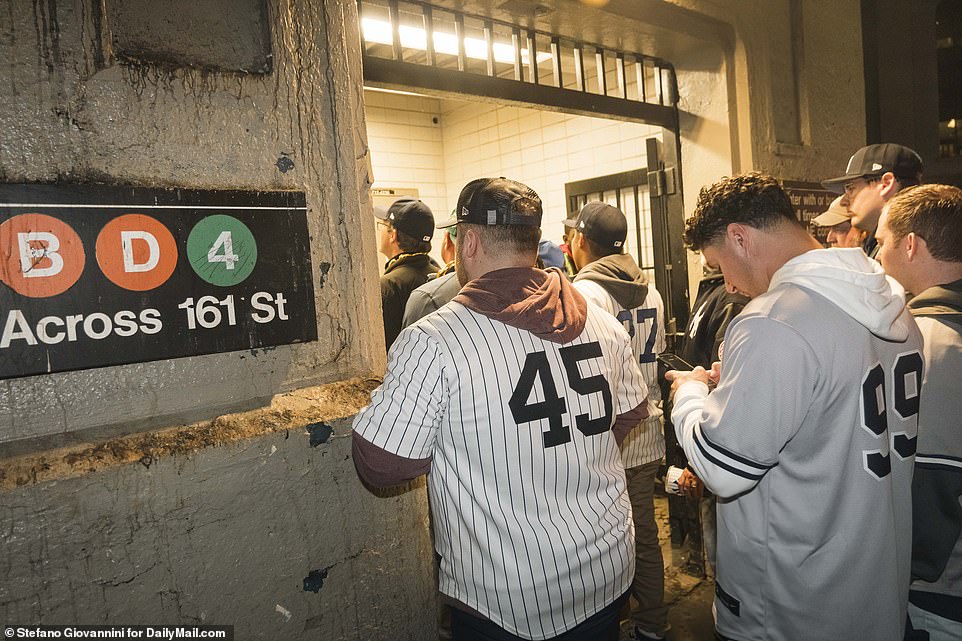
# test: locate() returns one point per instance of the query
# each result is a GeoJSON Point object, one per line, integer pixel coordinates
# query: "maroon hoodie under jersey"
{"type": "Point", "coordinates": [542, 302]}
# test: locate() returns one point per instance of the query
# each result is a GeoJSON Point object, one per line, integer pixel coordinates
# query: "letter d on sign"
{"type": "Point", "coordinates": [127, 239]}
{"type": "Point", "coordinates": [136, 252]}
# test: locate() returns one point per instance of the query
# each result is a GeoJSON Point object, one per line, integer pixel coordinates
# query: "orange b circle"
{"type": "Point", "coordinates": [136, 252]}
{"type": "Point", "coordinates": [40, 256]}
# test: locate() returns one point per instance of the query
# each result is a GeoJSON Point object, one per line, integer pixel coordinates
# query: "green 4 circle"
{"type": "Point", "coordinates": [222, 250]}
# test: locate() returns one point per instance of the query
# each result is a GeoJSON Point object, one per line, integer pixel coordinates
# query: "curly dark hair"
{"type": "Point", "coordinates": [752, 199]}
{"type": "Point", "coordinates": [933, 212]}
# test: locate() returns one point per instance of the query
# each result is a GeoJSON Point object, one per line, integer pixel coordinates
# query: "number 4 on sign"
{"type": "Point", "coordinates": [229, 258]}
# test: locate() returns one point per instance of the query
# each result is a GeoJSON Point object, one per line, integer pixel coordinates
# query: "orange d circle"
{"type": "Point", "coordinates": [40, 256]}
{"type": "Point", "coordinates": [136, 252]}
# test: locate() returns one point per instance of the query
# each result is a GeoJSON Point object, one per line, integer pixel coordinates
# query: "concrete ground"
{"type": "Point", "coordinates": [689, 598]}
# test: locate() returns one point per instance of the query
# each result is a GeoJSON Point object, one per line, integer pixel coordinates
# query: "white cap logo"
{"type": "Point", "coordinates": [617, 243]}
{"type": "Point", "coordinates": [876, 166]}
{"type": "Point", "coordinates": [581, 225]}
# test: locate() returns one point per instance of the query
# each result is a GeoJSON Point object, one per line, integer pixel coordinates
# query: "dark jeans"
{"type": "Point", "coordinates": [602, 626]}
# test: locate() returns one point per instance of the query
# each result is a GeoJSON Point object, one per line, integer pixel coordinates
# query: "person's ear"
{"type": "Point", "coordinates": [913, 245]}
{"type": "Point", "coordinates": [888, 185]}
{"type": "Point", "coordinates": [471, 243]}
{"type": "Point", "coordinates": [738, 237]}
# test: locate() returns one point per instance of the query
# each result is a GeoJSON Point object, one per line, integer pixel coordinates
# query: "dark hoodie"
{"type": "Point", "coordinates": [937, 483]}
{"type": "Point", "coordinates": [542, 302]}
{"type": "Point", "coordinates": [620, 276]}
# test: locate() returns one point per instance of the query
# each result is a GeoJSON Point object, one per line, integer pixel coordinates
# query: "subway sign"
{"type": "Point", "coordinates": [97, 275]}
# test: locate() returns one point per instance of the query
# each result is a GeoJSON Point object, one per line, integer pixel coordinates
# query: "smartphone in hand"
{"type": "Point", "coordinates": [674, 361]}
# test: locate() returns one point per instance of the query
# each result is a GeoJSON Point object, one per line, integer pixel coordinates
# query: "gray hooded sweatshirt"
{"type": "Point", "coordinates": [809, 441]}
{"type": "Point", "coordinates": [937, 486]}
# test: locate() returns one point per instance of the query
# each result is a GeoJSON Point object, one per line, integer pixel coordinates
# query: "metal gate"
{"type": "Point", "coordinates": [654, 226]}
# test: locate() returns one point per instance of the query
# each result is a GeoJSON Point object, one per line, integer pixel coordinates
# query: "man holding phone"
{"type": "Point", "coordinates": [612, 280]}
{"type": "Point", "coordinates": [810, 435]}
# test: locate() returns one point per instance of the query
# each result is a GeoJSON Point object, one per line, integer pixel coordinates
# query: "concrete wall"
{"type": "Point", "coordinates": [70, 112]}
{"type": "Point", "coordinates": [271, 535]}
{"type": "Point", "coordinates": [222, 520]}
{"type": "Point", "coordinates": [906, 82]}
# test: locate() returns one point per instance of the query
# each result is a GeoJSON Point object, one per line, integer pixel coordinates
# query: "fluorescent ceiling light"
{"type": "Point", "coordinates": [379, 32]}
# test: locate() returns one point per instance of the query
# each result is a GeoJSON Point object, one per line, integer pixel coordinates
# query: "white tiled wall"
{"type": "Point", "coordinates": [542, 149]}
{"type": "Point", "coordinates": [473, 139]}
{"type": "Point", "coordinates": [407, 150]}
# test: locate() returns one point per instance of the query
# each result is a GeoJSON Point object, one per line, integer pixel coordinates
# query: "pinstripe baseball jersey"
{"type": "Point", "coordinates": [532, 517]}
{"type": "Point", "coordinates": [810, 438]}
{"type": "Point", "coordinates": [645, 325]}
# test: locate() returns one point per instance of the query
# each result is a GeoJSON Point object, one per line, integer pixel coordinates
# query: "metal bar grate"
{"type": "Point", "coordinates": [416, 32]}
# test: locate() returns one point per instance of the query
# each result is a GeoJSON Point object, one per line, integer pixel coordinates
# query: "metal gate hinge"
{"type": "Point", "coordinates": [662, 182]}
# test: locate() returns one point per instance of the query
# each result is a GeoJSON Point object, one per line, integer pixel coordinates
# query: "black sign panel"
{"type": "Point", "coordinates": [96, 275]}
{"type": "Point", "coordinates": [809, 200]}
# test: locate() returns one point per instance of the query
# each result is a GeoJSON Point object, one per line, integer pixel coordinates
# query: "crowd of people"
{"type": "Point", "coordinates": [818, 431]}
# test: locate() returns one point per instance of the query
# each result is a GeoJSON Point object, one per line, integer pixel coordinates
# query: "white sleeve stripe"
{"type": "Point", "coordinates": [933, 459]}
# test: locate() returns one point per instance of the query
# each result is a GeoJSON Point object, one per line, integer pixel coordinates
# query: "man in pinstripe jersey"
{"type": "Point", "coordinates": [612, 280]}
{"type": "Point", "coordinates": [513, 398]}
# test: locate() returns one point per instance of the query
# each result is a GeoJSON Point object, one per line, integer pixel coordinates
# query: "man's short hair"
{"type": "Point", "coordinates": [410, 244]}
{"type": "Point", "coordinates": [932, 212]}
{"type": "Point", "coordinates": [752, 199]}
{"type": "Point", "coordinates": [514, 239]}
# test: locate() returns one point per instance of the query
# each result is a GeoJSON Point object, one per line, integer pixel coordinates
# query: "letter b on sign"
{"type": "Point", "coordinates": [136, 252]}
{"type": "Point", "coordinates": [40, 256]}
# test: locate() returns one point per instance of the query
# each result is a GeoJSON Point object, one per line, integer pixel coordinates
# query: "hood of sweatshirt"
{"type": "Point", "coordinates": [620, 276]}
{"type": "Point", "coordinates": [542, 302]}
{"type": "Point", "coordinates": [944, 301]}
{"type": "Point", "coordinates": [855, 283]}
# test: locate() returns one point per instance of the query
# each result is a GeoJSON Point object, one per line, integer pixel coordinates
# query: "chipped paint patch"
{"type": "Point", "coordinates": [314, 581]}
{"type": "Point", "coordinates": [322, 269]}
{"type": "Point", "coordinates": [283, 611]}
{"type": "Point", "coordinates": [320, 433]}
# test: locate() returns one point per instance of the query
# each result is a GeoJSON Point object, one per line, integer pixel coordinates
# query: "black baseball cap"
{"type": "Point", "coordinates": [601, 223]}
{"type": "Point", "coordinates": [409, 215]}
{"type": "Point", "coordinates": [499, 201]}
{"type": "Point", "coordinates": [875, 160]}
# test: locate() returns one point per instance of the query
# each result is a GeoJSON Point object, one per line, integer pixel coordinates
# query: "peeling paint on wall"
{"type": "Point", "coordinates": [314, 581]}
{"type": "Point", "coordinates": [320, 433]}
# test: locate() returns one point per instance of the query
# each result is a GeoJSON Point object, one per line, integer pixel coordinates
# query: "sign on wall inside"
{"type": "Point", "coordinates": [809, 199]}
{"type": "Point", "coordinates": [97, 275]}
